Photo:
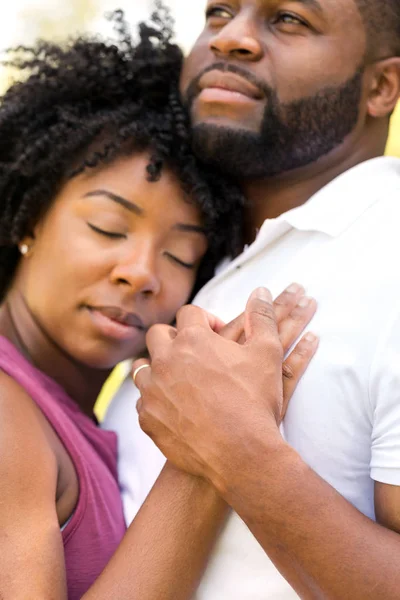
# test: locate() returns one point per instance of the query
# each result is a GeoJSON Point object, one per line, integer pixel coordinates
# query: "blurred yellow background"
{"type": "Point", "coordinates": [393, 147]}
{"type": "Point", "coordinates": [22, 21]}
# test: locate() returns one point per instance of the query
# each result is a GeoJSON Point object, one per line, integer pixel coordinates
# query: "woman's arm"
{"type": "Point", "coordinates": [162, 555]}
{"type": "Point", "coordinates": [166, 547]}
{"type": "Point", "coordinates": [31, 548]}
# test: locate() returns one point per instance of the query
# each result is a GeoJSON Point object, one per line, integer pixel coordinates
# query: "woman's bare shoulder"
{"type": "Point", "coordinates": [23, 439]}
{"type": "Point", "coordinates": [31, 547]}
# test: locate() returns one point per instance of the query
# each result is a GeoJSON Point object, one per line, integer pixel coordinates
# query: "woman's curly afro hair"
{"type": "Point", "coordinates": [112, 96]}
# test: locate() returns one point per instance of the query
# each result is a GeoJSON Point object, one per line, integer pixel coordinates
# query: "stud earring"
{"type": "Point", "coordinates": [24, 249]}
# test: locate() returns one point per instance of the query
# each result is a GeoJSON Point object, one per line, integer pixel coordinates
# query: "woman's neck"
{"type": "Point", "coordinates": [18, 324]}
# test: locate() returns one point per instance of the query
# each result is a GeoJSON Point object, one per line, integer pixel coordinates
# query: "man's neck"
{"type": "Point", "coordinates": [269, 198]}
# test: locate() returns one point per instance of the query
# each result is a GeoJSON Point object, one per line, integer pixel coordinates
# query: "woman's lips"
{"type": "Point", "coordinates": [116, 323]}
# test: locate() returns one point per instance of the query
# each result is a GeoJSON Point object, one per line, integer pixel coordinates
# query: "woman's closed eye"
{"type": "Point", "coordinates": [110, 234]}
{"type": "Point", "coordinates": [182, 263]}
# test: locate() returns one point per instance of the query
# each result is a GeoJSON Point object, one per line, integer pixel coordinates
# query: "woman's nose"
{"type": "Point", "coordinates": [138, 271]}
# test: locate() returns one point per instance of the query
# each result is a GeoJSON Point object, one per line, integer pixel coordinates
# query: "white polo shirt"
{"type": "Point", "coordinates": [343, 245]}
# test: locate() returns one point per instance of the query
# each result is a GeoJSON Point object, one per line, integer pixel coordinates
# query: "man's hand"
{"type": "Point", "coordinates": [207, 393]}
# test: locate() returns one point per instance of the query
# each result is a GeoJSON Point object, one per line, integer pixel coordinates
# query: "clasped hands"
{"type": "Point", "coordinates": [215, 391]}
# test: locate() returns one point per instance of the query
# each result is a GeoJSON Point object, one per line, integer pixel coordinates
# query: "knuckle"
{"type": "Point", "coordinates": [275, 347]}
{"type": "Point", "coordinates": [306, 310]}
{"type": "Point", "coordinates": [154, 329]}
{"type": "Point", "coordinates": [299, 315]}
{"type": "Point", "coordinates": [182, 311]}
{"type": "Point", "coordinates": [159, 366]}
{"type": "Point", "coordinates": [288, 372]}
{"type": "Point", "coordinates": [186, 311]}
{"type": "Point", "coordinates": [281, 300]}
{"type": "Point", "coordinates": [145, 416]}
{"type": "Point", "coordinates": [144, 421]}
{"type": "Point", "coordinates": [265, 310]}
{"type": "Point", "coordinates": [302, 352]}
{"type": "Point", "coordinates": [271, 348]}
{"type": "Point", "coordinates": [285, 299]}
{"type": "Point", "coordinates": [190, 334]}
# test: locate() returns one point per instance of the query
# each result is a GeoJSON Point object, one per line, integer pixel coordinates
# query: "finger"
{"type": "Point", "coordinates": [141, 372]}
{"type": "Point", "coordinates": [191, 315]}
{"type": "Point", "coordinates": [215, 323]}
{"type": "Point", "coordinates": [158, 337]}
{"type": "Point", "coordinates": [287, 300]}
{"type": "Point", "coordinates": [295, 365]}
{"type": "Point", "coordinates": [259, 318]}
{"type": "Point", "coordinates": [294, 324]}
{"type": "Point", "coordinates": [234, 330]}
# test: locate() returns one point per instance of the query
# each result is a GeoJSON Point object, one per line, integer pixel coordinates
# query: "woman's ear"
{"type": "Point", "coordinates": [384, 90]}
{"type": "Point", "coordinates": [25, 246]}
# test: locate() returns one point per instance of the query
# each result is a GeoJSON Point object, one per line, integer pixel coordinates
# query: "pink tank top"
{"type": "Point", "coordinates": [97, 524]}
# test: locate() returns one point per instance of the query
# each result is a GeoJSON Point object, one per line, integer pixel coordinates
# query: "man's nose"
{"type": "Point", "coordinates": [238, 39]}
{"type": "Point", "coordinates": [138, 270]}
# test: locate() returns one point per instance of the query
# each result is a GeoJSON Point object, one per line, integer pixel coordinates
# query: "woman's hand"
{"type": "Point", "coordinates": [293, 312]}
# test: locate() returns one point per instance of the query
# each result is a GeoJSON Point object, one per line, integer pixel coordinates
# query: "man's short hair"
{"type": "Point", "coordinates": [382, 22]}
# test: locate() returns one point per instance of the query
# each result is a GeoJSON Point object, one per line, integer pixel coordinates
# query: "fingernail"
{"type": "Point", "coordinates": [310, 338]}
{"type": "Point", "coordinates": [295, 288]}
{"type": "Point", "coordinates": [304, 302]}
{"type": "Point", "coordinates": [262, 294]}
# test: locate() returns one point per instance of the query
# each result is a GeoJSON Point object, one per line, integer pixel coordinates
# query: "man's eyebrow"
{"type": "Point", "coordinates": [312, 4]}
{"type": "Point", "coordinates": [186, 227]}
{"type": "Point", "coordinates": [131, 206]}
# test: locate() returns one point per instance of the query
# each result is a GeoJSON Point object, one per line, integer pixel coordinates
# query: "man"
{"type": "Point", "coordinates": [293, 99]}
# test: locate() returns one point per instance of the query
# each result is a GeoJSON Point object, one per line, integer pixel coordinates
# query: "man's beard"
{"type": "Point", "coordinates": [292, 135]}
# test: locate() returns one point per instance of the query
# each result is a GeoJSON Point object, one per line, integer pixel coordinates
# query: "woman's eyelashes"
{"type": "Point", "coordinates": [110, 234]}
{"type": "Point", "coordinates": [180, 262]}
{"type": "Point", "coordinates": [114, 235]}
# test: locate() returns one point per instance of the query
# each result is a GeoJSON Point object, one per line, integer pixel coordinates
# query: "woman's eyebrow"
{"type": "Point", "coordinates": [131, 206]}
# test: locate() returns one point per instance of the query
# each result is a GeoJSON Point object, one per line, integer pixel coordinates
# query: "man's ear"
{"type": "Point", "coordinates": [384, 90]}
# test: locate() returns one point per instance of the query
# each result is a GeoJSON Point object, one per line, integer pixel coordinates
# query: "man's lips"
{"type": "Point", "coordinates": [231, 83]}
{"type": "Point", "coordinates": [120, 316]}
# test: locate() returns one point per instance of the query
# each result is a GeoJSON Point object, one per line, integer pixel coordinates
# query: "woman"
{"type": "Point", "coordinates": [107, 225]}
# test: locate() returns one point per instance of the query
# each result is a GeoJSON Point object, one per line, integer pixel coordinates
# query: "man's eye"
{"type": "Point", "coordinates": [217, 12]}
{"type": "Point", "coordinates": [289, 19]}
{"type": "Point", "coordinates": [180, 262]}
{"type": "Point", "coordinates": [110, 234]}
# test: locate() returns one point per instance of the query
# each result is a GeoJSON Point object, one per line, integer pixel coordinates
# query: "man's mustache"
{"type": "Point", "coordinates": [194, 88]}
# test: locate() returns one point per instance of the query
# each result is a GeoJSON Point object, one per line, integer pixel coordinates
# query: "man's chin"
{"type": "Point", "coordinates": [233, 150]}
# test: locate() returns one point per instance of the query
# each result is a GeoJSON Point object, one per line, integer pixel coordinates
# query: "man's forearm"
{"type": "Point", "coordinates": [320, 542]}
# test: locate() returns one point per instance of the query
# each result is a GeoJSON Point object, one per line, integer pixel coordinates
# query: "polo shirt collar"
{"type": "Point", "coordinates": [335, 207]}
{"type": "Point", "coordinates": [330, 211]}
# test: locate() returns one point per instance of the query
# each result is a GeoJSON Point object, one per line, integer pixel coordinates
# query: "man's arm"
{"type": "Point", "coordinates": [338, 552]}
{"type": "Point", "coordinates": [319, 541]}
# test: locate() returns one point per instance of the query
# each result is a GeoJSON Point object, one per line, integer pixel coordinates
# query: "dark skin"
{"type": "Point", "coordinates": [108, 251]}
{"type": "Point", "coordinates": [285, 504]}
{"type": "Point", "coordinates": [274, 40]}
{"type": "Point", "coordinates": [110, 239]}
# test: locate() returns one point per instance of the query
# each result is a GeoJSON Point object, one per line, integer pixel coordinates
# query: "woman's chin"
{"type": "Point", "coordinates": [106, 358]}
